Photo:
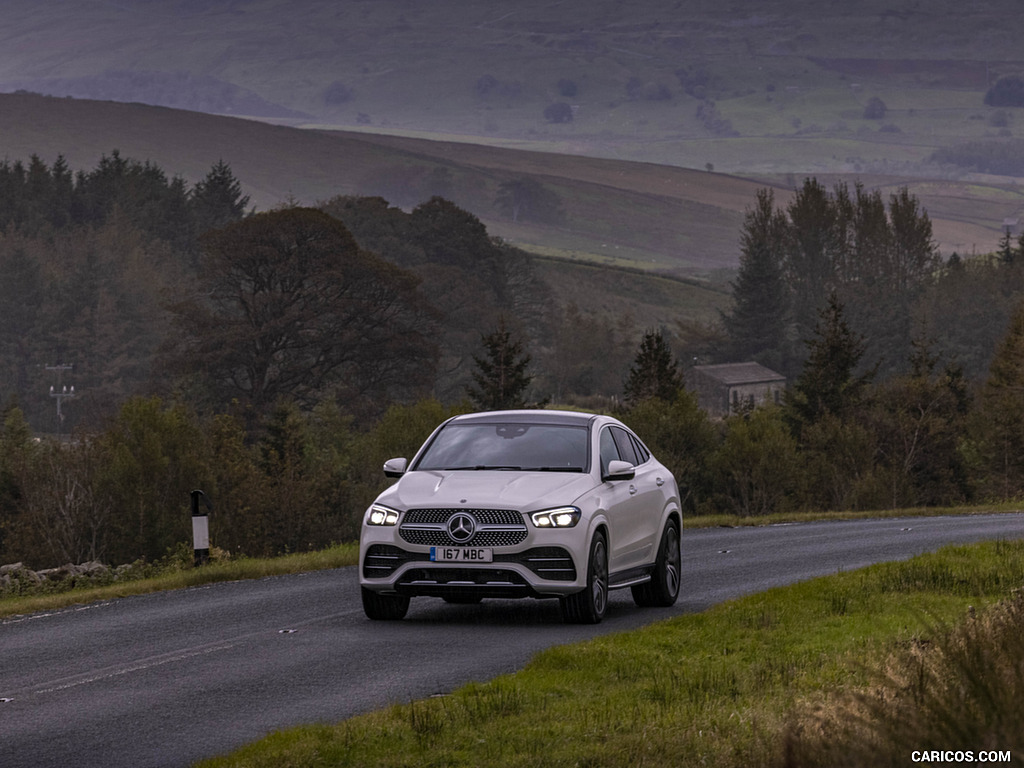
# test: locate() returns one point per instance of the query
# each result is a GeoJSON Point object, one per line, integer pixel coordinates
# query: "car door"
{"type": "Point", "coordinates": [624, 505]}
{"type": "Point", "coordinates": [648, 496]}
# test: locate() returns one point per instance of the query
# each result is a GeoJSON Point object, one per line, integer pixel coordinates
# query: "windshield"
{"type": "Point", "coordinates": [509, 446]}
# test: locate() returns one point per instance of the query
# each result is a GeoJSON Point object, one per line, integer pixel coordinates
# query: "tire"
{"type": "Point", "coordinates": [589, 605]}
{"type": "Point", "coordinates": [663, 588]}
{"type": "Point", "coordinates": [384, 607]}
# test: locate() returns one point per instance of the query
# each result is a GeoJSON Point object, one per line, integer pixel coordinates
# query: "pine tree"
{"type": "Point", "coordinates": [758, 321]}
{"type": "Point", "coordinates": [1000, 419]}
{"type": "Point", "coordinates": [654, 373]}
{"type": "Point", "coordinates": [913, 257]}
{"type": "Point", "coordinates": [217, 200]}
{"type": "Point", "coordinates": [501, 374]}
{"type": "Point", "coordinates": [828, 383]}
{"type": "Point", "coordinates": [811, 253]}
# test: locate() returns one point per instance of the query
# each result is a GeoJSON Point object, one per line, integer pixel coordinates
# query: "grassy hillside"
{"type": "Point", "coordinates": [659, 217]}
{"type": "Point", "coordinates": [747, 85]}
{"type": "Point", "coordinates": [669, 219]}
{"type": "Point", "coordinates": [770, 90]}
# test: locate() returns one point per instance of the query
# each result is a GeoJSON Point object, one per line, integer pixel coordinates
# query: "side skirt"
{"type": "Point", "coordinates": [630, 578]}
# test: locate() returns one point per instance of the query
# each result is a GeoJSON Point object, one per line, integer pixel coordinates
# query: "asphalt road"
{"type": "Point", "coordinates": [170, 678]}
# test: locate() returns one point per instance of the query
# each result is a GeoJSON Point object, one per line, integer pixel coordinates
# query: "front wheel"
{"type": "Point", "coordinates": [663, 588]}
{"type": "Point", "coordinates": [384, 607]}
{"type": "Point", "coordinates": [590, 605]}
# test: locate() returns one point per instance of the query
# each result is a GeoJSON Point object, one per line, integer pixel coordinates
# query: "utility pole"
{"type": "Point", "coordinates": [61, 393]}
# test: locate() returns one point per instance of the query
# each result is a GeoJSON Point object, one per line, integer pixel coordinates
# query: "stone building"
{"type": "Point", "coordinates": [722, 389]}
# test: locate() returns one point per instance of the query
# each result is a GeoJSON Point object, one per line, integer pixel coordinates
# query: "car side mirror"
{"type": "Point", "coordinates": [619, 470]}
{"type": "Point", "coordinates": [395, 467]}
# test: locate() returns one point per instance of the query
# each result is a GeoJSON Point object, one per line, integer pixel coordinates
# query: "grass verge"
{"type": "Point", "coordinates": [731, 686]}
{"type": "Point", "coordinates": [735, 521]}
{"type": "Point", "coordinates": [178, 574]}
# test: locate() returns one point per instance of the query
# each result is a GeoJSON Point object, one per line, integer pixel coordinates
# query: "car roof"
{"type": "Point", "coordinates": [538, 416]}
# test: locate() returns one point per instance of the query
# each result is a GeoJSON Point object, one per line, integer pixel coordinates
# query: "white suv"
{"type": "Point", "coordinates": [524, 504]}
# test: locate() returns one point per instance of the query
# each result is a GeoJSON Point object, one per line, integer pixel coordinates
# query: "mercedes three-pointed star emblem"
{"type": "Point", "coordinates": [461, 527]}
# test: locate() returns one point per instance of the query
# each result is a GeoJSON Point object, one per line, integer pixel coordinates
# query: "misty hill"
{"type": "Point", "coordinates": [667, 219]}
{"type": "Point", "coordinates": [765, 86]}
{"type": "Point", "coordinates": [660, 218]}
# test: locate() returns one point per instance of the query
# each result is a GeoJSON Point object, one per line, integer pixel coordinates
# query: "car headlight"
{"type": "Point", "coordinates": [378, 514]}
{"type": "Point", "coordinates": [562, 517]}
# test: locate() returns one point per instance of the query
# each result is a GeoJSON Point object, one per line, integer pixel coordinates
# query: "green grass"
{"type": "Point", "coordinates": [733, 521]}
{"type": "Point", "coordinates": [720, 688]}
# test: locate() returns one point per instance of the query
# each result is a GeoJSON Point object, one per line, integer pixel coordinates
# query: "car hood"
{"type": "Point", "coordinates": [526, 491]}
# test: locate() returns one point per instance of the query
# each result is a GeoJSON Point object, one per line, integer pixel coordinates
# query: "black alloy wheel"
{"type": "Point", "coordinates": [663, 588]}
{"type": "Point", "coordinates": [589, 605]}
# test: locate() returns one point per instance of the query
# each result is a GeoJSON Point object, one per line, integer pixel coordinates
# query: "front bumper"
{"type": "Point", "coordinates": [541, 571]}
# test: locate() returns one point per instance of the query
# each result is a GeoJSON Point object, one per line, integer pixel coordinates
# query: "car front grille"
{"type": "Point", "coordinates": [494, 527]}
{"type": "Point", "coordinates": [483, 516]}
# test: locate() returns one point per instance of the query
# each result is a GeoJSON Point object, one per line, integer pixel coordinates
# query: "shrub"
{"type": "Point", "coordinates": [959, 688]}
{"type": "Point", "coordinates": [1007, 92]}
{"type": "Point", "coordinates": [559, 112]}
{"type": "Point", "coordinates": [757, 468]}
{"type": "Point", "coordinates": [875, 109]}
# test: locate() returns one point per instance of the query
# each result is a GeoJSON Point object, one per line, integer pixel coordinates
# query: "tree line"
{"type": "Point", "coordinates": [277, 359]}
{"type": "Point", "coordinates": [117, 281]}
{"type": "Point", "coordinates": [878, 256]}
{"type": "Point", "coordinates": [300, 478]}
{"type": "Point", "coordinates": [195, 333]}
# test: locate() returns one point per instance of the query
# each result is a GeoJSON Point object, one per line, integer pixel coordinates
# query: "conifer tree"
{"type": "Point", "coordinates": [811, 253]}
{"type": "Point", "coordinates": [758, 321]}
{"type": "Point", "coordinates": [1000, 420]}
{"type": "Point", "coordinates": [501, 376]}
{"type": "Point", "coordinates": [217, 200]}
{"type": "Point", "coordinates": [654, 373]}
{"type": "Point", "coordinates": [829, 383]}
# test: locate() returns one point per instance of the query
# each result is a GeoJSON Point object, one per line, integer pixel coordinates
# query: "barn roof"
{"type": "Point", "coordinates": [739, 373]}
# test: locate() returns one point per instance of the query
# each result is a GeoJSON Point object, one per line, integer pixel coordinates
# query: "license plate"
{"type": "Point", "coordinates": [461, 555]}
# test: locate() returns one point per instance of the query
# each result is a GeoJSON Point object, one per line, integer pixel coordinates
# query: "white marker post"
{"type": "Point", "coordinates": [200, 528]}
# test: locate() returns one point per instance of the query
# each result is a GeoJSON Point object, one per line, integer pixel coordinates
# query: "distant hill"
{"type": "Point", "coordinates": [662, 218]}
{"type": "Point", "coordinates": [749, 86]}
{"type": "Point", "coordinates": [666, 219]}
{"type": "Point", "coordinates": [771, 90]}
{"type": "Point", "coordinates": [614, 221]}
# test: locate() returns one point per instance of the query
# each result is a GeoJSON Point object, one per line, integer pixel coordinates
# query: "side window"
{"type": "Point", "coordinates": [625, 446]}
{"type": "Point", "coordinates": [642, 454]}
{"type": "Point", "coordinates": [608, 450]}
